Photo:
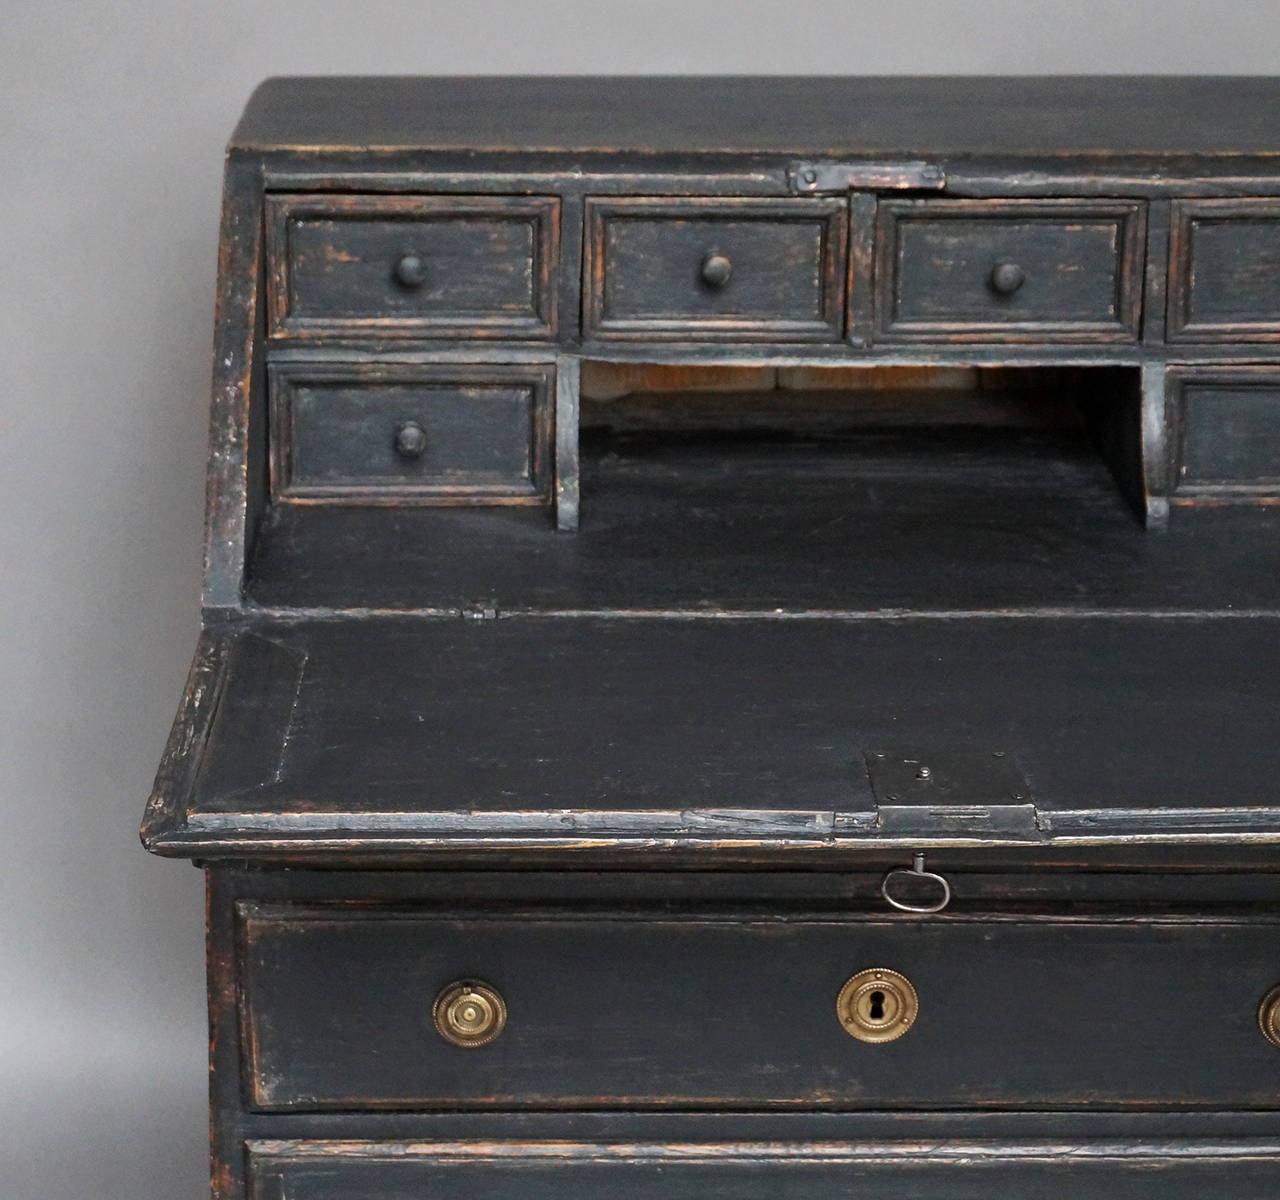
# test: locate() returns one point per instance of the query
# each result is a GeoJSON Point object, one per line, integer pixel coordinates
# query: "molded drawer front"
{"type": "Point", "coordinates": [396, 434]}
{"type": "Point", "coordinates": [943, 1170]}
{"type": "Point", "coordinates": [751, 270]}
{"type": "Point", "coordinates": [480, 266]}
{"type": "Point", "coordinates": [1224, 271]}
{"type": "Point", "coordinates": [639, 1011]}
{"type": "Point", "coordinates": [1009, 270]}
{"type": "Point", "coordinates": [1225, 422]}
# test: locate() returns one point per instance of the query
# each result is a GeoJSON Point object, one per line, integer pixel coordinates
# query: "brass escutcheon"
{"type": "Point", "coordinates": [469, 1013]}
{"type": "Point", "coordinates": [1269, 1016]}
{"type": "Point", "coordinates": [877, 1005]}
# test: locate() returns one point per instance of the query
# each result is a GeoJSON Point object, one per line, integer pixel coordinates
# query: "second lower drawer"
{"type": "Point", "coordinates": [740, 1011]}
{"type": "Point", "coordinates": [941, 1170]}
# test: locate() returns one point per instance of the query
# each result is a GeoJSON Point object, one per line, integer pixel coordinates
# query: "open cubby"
{"type": "Point", "coordinates": [812, 490]}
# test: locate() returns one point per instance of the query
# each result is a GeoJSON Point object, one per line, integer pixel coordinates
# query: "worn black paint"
{"type": "Point", "coordinates": [665, 709]}
{"type": "Point", "coordinates": [484, 437]}
{"type": "Point", "coordinates": [950, 521]}
{"type": "Point", "coordinates": [1230, 435]}
{"type": "Point", "coordinates": [645, 270]}
{"type": "Point", "coordinates": [737, 1010]}
{"type": "Point", "coordinates": [894, 117]}
{"type": "Point", "coordinates": [1070, 272]}
{"type": "Point", "coordinates": [1226, 270]}
{"type": "Point", "coordinates": [318, 714]}
{"type": "Point", "coordinates": [1225, 435]}
{"type": "Point", "coordinates": [477, 265]}
{"type": "Point", "coordinates": [1137, 1171]}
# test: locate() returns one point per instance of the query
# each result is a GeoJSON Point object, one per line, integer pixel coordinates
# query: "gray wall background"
{"type": "Point", "coordinates": [112, 124]}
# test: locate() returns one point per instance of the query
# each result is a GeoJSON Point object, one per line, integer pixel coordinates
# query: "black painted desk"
{"type": "Point", "coordinates": [740, 641]}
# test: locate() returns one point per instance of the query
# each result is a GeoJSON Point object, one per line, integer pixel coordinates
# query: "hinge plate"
{"type": "Point", "coordinates": [813, 178]}
{"type": "Point", "coordinates": [951, 791]}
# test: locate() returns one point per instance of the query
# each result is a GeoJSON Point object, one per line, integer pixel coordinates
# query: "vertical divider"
{"type": "Point", "coordinates": [1155, 443]}
{"type": "Point", "coordinates": [861, 274]}
{"type": "Point", "coordinates": [568, 377]}
{"type": "Point", "coordinates": [1156, 277]}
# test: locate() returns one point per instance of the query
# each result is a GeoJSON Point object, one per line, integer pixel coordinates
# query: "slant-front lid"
{"type": "Point", "coordinates": [750, 737]}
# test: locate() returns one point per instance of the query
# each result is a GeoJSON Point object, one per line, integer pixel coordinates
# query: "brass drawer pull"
{"type": "Point", "coordinates": [914, 873]}
{"type": "Point", "coordinates": [469, 1013]}
{"type": "Point", "coordinates": [877, 1005]}
{"type": "Point", "coordinates": [1269, 1016]}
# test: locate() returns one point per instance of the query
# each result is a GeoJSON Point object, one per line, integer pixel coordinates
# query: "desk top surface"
{"type": "Point", "coordinates": [919, 598]}
{"type": "Point", "coordinates": [1160, 116]}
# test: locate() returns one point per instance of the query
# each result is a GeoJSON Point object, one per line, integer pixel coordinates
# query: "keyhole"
{"type": "Point", "coordinates": [876, 1012]}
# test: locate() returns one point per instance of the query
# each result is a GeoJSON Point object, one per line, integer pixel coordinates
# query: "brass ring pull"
{"type": "Point", "coordinates": [469, 1013]}
{"type": "Point", "coordinates": [1269, 1016]}
{"type": "Point", "coordinates": [915, 872]}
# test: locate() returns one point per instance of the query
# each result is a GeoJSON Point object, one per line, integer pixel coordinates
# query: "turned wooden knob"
{"type": "Point", "coordinates": [411, 271]}
{"type": "Point", "coordinates": [410, 440]}
{"type": "Point", "coordinates": [1007, 278]}
{"type": "Point", "coordinates": [717, 269]}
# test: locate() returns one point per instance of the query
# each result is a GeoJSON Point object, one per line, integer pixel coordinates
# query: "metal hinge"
{"type": "Point", "coordinates": [813, 178]}
{"type": "Point", "coordinates": [481, 612]}
{"type": "Point", "coordinates": [951, 792]}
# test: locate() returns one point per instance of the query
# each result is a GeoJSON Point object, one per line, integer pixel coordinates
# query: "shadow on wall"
{"type": "Point", "coordinates": [120, 1131]}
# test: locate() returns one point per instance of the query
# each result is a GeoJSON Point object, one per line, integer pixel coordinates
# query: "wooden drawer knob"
{"type": "Point", "coordinates": [1007, 278]}
{"type": "Point", "coordinates": [717, 270]}
{"type": "Point", "coordinates": [411, 271]}
{"type": "Point", "coordinates": [469, 1013]}
{"type": "Point", "coordinates": [410, 440]}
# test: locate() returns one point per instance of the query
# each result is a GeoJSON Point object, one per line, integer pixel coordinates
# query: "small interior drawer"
{"type": "Point", "coordinates": [940, 1169]}
{"type": "Point", "coordinates": [723, 1011]}
{"type": "Point", "coordinates": [1224, 423]}
{"type": "Point", "coordinates": [1224, 270]}
{"type": "Point", "coordinates": [735, 269]}
{"type": "Point", "coordinates": [443, 265]}
{"type": "Point", "coordinates": [353, 433]}
{"type": "Point", "coordinates": [1009, 270]}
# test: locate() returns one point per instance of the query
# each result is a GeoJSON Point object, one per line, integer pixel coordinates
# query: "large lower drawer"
{"type": "Point", "coordinates": [716, 1010]}
{"type": "Point", "coordinates": [736, 1171]}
